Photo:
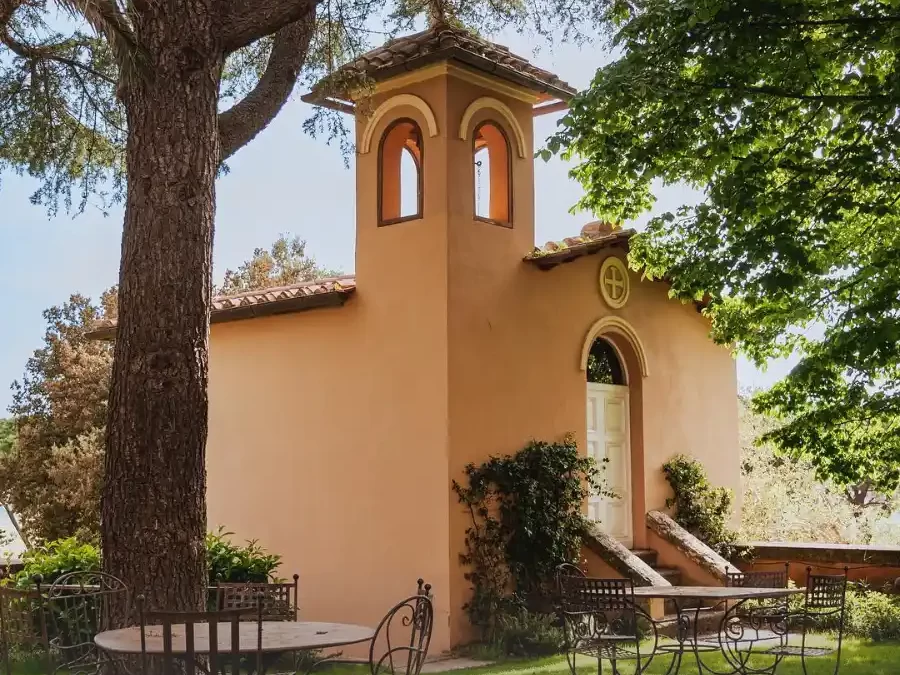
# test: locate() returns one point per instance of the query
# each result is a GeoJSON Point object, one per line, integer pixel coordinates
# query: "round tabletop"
{"type": "Point", "coordinates": [277, 636]}
{"type": "Point", "coordinates": [713, 592]}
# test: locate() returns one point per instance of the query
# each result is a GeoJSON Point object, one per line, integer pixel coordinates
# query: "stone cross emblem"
{"type": "Point", "coordinates": [614, 283]}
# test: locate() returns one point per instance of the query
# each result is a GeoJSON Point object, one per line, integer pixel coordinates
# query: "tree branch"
{"type": "Point", "coordinates": [243, 121]}
{"type": "Point", "coordinates": [7, 7]}
{"type": "Point", "coordinates": [48, 52]}
{"type": "Point", "coordinates": [106, 18]}
{"type": "Point", "coordinates": [245, 21]}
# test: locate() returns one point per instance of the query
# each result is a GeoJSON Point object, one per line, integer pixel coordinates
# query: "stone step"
{"type": "Point", "coordinates": [670, 574]}
{"type": "Point", "coordinates": [648, 555]}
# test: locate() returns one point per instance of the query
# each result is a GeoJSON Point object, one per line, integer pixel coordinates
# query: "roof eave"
{"type": "Point", "coordinates": [340, 101]}
{"type": "Point", "coordinates": [285, 306]}
{"type": "Point", "coordinates": [548, 261]}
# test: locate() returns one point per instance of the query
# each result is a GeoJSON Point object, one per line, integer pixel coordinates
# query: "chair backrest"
{"type": "Point", "coordinates": [279, 601]}
{"type": "Point", "coordinates": [80, 605]}
{"type": "Point", "coordinates": [825, 593]}
{"type": "Point", "coordinates": [402, 638]}
{"type": "Point", "coordinates": [182, 633]}
{"type": "Point", "coordinates": [23, 622]}
{"type": "Point", "coordinates": [568, 570]}
{"type": "Point", "coordinates": [587, 594]}
{"type": "Point", "coordinates": [758, 578]}
{"type": "Point", "coordinates": [597, 607]}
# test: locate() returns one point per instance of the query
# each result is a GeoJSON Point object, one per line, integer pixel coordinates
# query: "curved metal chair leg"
{"type": "Point", "coordinates": [570, 657]}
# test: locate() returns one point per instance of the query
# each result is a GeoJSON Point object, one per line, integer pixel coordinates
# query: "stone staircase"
{"type": "Point", "coordinates": [642, 565]}
{"type": "Point", "coordinates": [709, 618]}
{"type": "Point", "coordinates": [651, 557]}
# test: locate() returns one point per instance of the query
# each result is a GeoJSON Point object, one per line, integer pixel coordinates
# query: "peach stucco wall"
{"type": "Point", "coordinates": [334, 434]}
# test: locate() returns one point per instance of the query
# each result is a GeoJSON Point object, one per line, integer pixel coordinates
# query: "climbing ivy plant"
{"type": "Point", "coordinates": [526, 519]}
{"type": "Point", "coordinates": [698, 506]}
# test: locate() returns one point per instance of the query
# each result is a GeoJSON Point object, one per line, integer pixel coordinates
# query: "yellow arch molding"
{"type": "Point", "coordinates": [390, 104]}
{"type": "Point", "coordinates": [508, 115]}
{"type": "Point", "coordinates": [617, 326]}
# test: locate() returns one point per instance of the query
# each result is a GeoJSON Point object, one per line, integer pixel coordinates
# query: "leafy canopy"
{"type": "Point", "coordinates": [785, 115]}
{"type": "Point", "coordinates": [65, 63]}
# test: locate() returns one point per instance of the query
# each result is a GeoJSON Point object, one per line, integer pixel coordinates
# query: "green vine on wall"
{"type": "Point", "coordinates": [527, 518]}
{"type": "Point", "coordinates": [700, 508]}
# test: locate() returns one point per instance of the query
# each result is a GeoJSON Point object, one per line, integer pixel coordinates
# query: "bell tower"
{"type": "Point", "coordinates": [444, 217]}
{"type": "Point", "coordinates": [444, 141]}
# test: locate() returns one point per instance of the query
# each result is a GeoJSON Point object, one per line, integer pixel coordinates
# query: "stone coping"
{"type": "Point", "coordinates": [688, 545]}
{"type": "Point", "coordinates": [815, 552]}
{"type": "Point", "coordinates": [621, 559]}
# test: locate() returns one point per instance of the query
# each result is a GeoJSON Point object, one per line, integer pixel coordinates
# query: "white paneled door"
{"type": "Point", "coordinates": [608, 438]}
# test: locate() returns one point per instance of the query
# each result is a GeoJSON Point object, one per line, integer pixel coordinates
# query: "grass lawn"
{"type": "Point", "coordinates": [858, 658]}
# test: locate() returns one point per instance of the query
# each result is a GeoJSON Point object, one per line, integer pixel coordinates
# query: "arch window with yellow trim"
{"type": "Point", "coordinates": [400, 173]}
{"type": "Point", "coordinates": [493, 174]}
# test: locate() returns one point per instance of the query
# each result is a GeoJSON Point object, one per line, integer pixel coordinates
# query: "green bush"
{"type": "Point", "coordinates": [873, 615]}
{"type": "Point", "coordinates": [227, 562]}
{"type": "Point", "coordinates": [521, 633]}
{"type": "Point", "coordinates": [525, 633]}
{"type": "Point", "coordinates": [700, 508]}
{"type": "Point", "coordinates": [56, 558]}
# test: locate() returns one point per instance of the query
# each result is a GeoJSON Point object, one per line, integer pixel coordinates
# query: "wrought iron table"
{"type": "Point", "coordinates": [691, 639]}
{"type": "Point", "coordinates": [278, 637]}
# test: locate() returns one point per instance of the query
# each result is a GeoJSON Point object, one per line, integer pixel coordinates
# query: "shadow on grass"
{"type": "Point", "coordinates": [857, 658]}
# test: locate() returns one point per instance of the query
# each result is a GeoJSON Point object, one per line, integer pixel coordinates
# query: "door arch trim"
{"type": "Point", "coordinates": [615, 325]}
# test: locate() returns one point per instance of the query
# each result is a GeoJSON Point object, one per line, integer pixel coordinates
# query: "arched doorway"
{"type": "Point", "coordinates": [609, 438]}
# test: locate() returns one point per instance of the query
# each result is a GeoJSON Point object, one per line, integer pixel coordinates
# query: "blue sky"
{"type": "Point", "coordinates": [283, 182]}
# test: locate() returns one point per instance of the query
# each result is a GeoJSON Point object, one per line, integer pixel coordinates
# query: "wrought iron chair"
{"type": "Point", "coordinates": [23, 624]}
{"type": "Point", "coordinates": [751, 625]}
{"type": "Point", "coordinates": [777, 578]}
{"type": "Point", "coordinates": [823, 609]}
{"type": "Point", "coordinates": [402, 638]}
{"type": "Point", "coordinates": [80, 605]}
{"type": "Point", "coordinates": [179, 645]}
{"type": "Point", "coordinates": [600, 620]}
{"type": "Point", "coordinates": [758, 578]}
{"type": "Point", "coordinates": [569, 570]}
{"type": "Point", "coordinates": [279, 600]}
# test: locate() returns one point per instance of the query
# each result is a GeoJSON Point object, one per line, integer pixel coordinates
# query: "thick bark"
{"type": "Point", "coordinates": [245, 21]}
{"type": "Point", "coordinates": [154, 495]}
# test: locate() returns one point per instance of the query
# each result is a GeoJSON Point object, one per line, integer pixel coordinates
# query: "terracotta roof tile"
{"type": "Point", "coordinates": [594, 238]}
{"type": "Point", "coordinates": [280, 300]}
{"type": "Point", "coordinates": [443, 42]}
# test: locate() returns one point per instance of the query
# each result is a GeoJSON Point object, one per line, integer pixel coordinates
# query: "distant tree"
{"type": "Point", "coordinates": [783, 500]}
{"type": "Point", "coordinates": [285, 263]}
{"type": "Point", "coordinates": [7, 435]}
{"type": "Point", "coordinates": [51, 478]}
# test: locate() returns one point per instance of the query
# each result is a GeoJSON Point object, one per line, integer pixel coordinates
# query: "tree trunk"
{"type": "Point", "coordinates": [154, 494]}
